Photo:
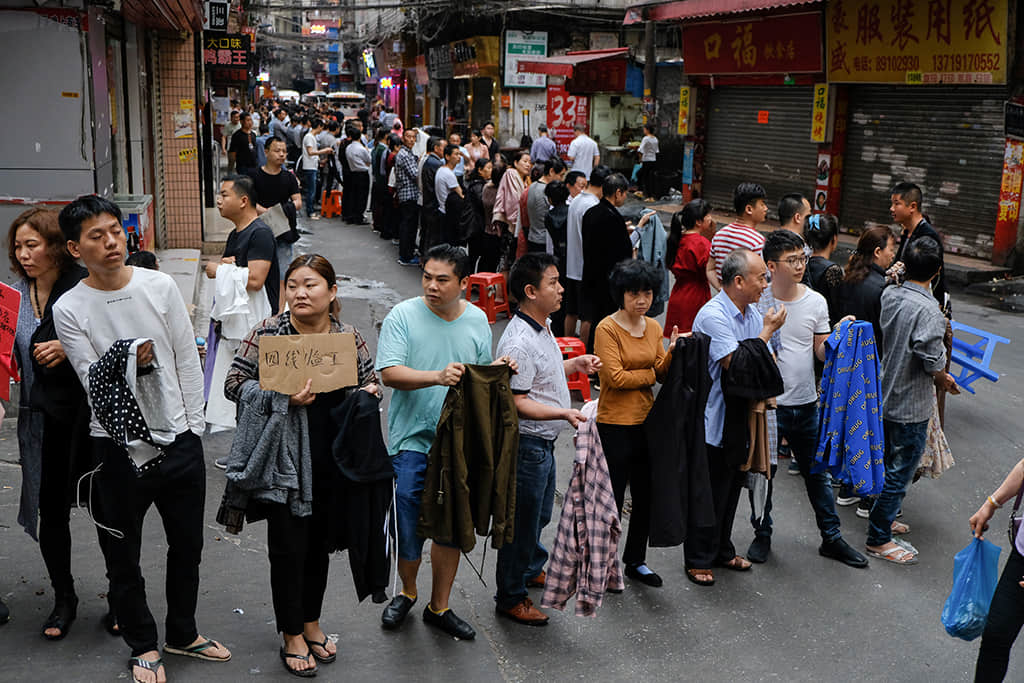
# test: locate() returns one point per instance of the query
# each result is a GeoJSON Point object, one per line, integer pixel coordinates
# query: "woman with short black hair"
{"type": "Point", "coordinates": [629, 345]}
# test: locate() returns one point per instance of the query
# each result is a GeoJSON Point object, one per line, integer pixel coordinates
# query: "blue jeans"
{"type": "Point", "coordinates": [904, 444]}
{"type": "Point", "coordinates": [309, 190]}
{"type": "Point", "coordinates": [799, 426]}
{"type": "Point", "coordinates": [409, 467]}
{"type": "Point", "coordinates": [525, 557]}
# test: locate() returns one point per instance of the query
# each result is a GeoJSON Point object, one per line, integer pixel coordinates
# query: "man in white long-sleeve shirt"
{"type": "Point", "coordinates": [117, 302]}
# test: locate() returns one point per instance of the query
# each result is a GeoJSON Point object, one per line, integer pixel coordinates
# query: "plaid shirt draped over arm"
{"type": "Point", "coordinates": [584, 558]}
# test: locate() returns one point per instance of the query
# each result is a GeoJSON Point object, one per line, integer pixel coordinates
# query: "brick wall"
{"type": "Point", "coordinates": [182, 191]}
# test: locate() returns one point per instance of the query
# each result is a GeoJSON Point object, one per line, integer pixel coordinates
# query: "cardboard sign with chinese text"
{"type": "Point", "coordinates": [918, 42]}
{"type": "Point", "coordinates": [287, 361]}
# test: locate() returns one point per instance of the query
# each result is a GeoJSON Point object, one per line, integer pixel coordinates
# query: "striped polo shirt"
{"type": "Point", "coordinates": [732, 237]}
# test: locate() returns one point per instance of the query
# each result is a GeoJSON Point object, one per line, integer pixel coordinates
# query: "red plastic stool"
{"type": "Point", "coordinates": [330, 206]}
{"type": "Point", "coordinates": [572, 347]}
{"type": "Point", "coordinates": [489, 286]}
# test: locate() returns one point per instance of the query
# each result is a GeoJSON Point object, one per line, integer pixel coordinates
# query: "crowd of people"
{"type": "Point", "coordinates": [109, 355]}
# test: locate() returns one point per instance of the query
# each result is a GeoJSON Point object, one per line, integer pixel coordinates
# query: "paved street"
{"type": "Point", "coordinates": [797, 618]}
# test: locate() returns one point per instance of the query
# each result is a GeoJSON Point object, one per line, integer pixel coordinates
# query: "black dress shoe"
{"type": "Point", "coordinates": [650, 579]}
{"type": "Point", "coordinates": [759, 549]}
{"type": "Point", "coordinates": [448, 622]}
{"type": "Point", "coordinates": [396, 611]}
{"type": "Point", "coordinates": [840, 550]}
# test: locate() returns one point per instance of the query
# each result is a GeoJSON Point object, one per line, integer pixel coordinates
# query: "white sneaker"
{"type": "Point", "coordinates": [843, 501]}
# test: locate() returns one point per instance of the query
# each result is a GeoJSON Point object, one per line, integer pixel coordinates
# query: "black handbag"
{"type": "Point", "coordinates": [1015, 517]}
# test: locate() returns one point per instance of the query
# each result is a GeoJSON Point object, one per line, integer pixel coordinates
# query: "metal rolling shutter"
{"type": "Point", "coordinates": [778, 154]}
{"type": "Point", "coordinates": [947, 139]}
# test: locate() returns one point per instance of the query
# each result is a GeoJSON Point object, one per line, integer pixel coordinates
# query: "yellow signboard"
{"type": "Point", "coordinates": [683, 127]}
{"type": "Point", "coordinates": [917, 42]}
{"type": "Point", "coordinates": [819, 119]}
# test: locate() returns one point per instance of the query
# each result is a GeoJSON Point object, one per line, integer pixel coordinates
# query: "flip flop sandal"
{"type": "Point", "coordinates": [737, 564]}
{"type": "Point", "coordinates": [709, 579]}
{"type": "Point", "coordinates": [899, 528]}
{"type": "Point", "coordinates": [198, 651]}
{"type": "Point", "coordinates": [904, 556]}
{"type": "Point", "coordinates": [307, 673]}
{"type": "Point", "coordinates": [323, 660]}
{"type": "Point", "coordinates": [143, 664]}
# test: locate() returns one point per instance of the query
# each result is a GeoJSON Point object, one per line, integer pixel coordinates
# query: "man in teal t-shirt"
{"type": "Point", "coordinates": [423, 346]}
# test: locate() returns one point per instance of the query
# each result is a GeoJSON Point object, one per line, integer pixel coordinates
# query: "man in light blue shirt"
{"type": "Point", "coordinates": [729, 318]}
{"type": "Point", "coordinates": [423, 346]}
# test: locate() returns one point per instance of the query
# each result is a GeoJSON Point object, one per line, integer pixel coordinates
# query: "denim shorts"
{"type": "Point", "coordinates": [409, 468]}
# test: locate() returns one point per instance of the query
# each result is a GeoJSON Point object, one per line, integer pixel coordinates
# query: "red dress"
{"type": "Point", "coordinates": [691, 289]}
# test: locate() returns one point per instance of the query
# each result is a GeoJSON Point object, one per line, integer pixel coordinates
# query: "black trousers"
{"type": "Point", "coordinates": [646, 177]}
{"type": "Point", "coordinates": [56, 496]}
{"type": "Point", "coordinates": [707, 547]}
{"type": "Point", "coordinates": [177, 487]}
{"type": "Point", "coordinates": [1005, 618]}
{"type": "Point", "coordinates": [407, 225]}
{"type": "Point", "coordinates": [380, 204]}
{"type": "Point", "coordinates": [430, 228]}
{"type": "Point", "coordinates": [484, 252]}
{"type": "Point", "coordinates": [625, 449]}
{"type": "Point", "coordinates": [358, 189]}
{"type": "Point", "coordinates": [298, 566]}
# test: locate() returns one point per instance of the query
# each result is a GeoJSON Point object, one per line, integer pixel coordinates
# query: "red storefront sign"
{"type": "Point", "coordinates": [605, 75]}
{"type": "Point", "coordinates": [564, 112]}
{"type": "Point", "coordinates": [768, 45]}
{"type": "Point", "coordinates": [226, 57]}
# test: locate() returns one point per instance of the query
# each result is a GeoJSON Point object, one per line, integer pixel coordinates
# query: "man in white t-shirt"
{"type": "Point", "coordinates": [445, 183]}
{"type": "Point", "coordinates": [311, 153]}
{"type": "Point", "coordinates": [802, 338]}
{"type": "Point", "coordinates": [127, 328]}
{"type": "Point", "coordinates": [583, 152]}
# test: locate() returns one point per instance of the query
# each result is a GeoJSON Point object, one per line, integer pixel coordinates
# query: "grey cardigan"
{"type": "Point", "coordinates": [270, 459]}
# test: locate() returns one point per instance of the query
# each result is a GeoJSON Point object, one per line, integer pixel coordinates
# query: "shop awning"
{"type": "Point", "coordinates": [692, 9]}
{"type": "Point", "coordinates": [168, 15]}
{"type": "Point", "coordinates": [565, 65]}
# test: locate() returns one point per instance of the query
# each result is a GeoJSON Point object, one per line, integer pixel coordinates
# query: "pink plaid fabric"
{"type": "Point", "coordinates": [584, 559]}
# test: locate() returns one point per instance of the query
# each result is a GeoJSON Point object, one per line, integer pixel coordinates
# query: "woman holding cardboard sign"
{"type": "Point", "coordinates": [299, 525]}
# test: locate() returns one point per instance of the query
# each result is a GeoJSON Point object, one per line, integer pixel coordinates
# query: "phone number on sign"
{"type": "Point", "coordinates": [984, 61]}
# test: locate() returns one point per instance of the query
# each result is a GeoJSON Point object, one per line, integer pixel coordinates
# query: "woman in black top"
{"type": "Point", "coordinates": [821, 233]}
{"type": "Point", "coordinates": [860, 294]}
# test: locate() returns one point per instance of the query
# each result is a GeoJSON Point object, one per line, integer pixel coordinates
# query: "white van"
{"type": "Point", "coordinates": [349, 103]}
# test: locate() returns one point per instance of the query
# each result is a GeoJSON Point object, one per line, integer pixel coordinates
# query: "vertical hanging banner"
{"type": "Point", "coordinates": [10, 302]}
{"type": "Point", "coordinates": [683, 124]}
{"type": "Point", "coordinates": [1009, 200]}
{"type": "Point", "coordinates": [819, 119]}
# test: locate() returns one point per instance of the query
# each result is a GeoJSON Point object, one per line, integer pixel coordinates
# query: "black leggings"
{"type": "Point", "coordinates": [625, 449]}
{"type": "Point", "coordinates": [1005, 618]}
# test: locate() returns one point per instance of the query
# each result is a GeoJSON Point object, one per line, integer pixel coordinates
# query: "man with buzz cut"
{"type": "Point", "coordinates": [128, 336]}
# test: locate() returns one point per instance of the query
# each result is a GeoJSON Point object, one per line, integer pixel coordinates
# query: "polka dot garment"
{"type": "Point", "coordinates": [112, 400]}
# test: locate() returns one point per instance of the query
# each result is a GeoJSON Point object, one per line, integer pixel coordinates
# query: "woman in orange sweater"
{"type": "Point", "coordinates": [629, 345]}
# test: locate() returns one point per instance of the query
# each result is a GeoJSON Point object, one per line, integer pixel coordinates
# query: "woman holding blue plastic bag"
{"type": "Point", "coordinates": [1006, 614]}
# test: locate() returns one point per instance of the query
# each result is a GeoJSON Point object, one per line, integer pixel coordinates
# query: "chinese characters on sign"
{"type": "Point", "coordinates": [1009, 198]}
{"type": "Point", "coordinates": [917, 41]}
{"type": "Point", "coordinates": [786, 44]}
{"type": "Point", "coordinates": [10, 301]}
{"type": "Point", "coordinates": [683, 126]}
{"type": "Point", "coordinates": [564, 111]}
{"type": "Point", "coordinates": [524, 45]}
{"type": "Point", "coordinates": [288, 361]}
{"type": "Point", "coordinates": [226, 57]}
{"type": "Point", "coordinates": [819, 117]}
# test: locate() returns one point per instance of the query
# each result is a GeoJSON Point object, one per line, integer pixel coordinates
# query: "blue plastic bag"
{"type": "Point", "coordinates": [975, 575]}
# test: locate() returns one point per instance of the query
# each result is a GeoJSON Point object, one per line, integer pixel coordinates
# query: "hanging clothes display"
{"type": "Point", "coordinates": [651, 248]}
{"type": "Point", "coordinates": [851, 443]}
{"type": "Point", "coordinates": [470, 481]}
{"type": "Point", "coordinates": [680, 483]}
{"type": "Point", "coordinates": [584, 560]}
